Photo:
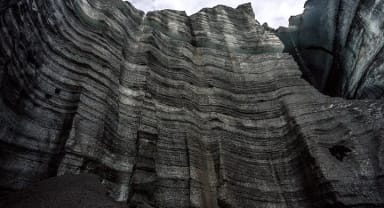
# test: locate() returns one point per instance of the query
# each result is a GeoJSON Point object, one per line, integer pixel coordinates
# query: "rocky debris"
{"type": "Point", "coordinates": [339, 46]}
{"type": "Point", "coordinates": [75, 191]}
{"type": "Point", "coordinates": [173, 110]}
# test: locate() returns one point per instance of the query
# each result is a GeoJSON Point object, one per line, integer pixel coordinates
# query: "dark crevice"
{"type": "Point", "coordinates": [143, 178]}
{"type": "Point", "coordinates": [319, 48]}
{"type": "Point", "coordinates": [48, 96]}
{"type": "Point", "coordinates": [340, 152]}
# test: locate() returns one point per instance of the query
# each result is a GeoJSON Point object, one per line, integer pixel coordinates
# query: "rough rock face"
{"type": "Point", "coordinates": [339, 45]}
{"type": "Point", "coordinates": [176, 111]}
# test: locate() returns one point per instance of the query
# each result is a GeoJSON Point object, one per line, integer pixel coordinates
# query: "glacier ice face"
{"type": "Point", "coordinates": [173, 110]}
{"type": "Point", "coordinates": [339, 47]}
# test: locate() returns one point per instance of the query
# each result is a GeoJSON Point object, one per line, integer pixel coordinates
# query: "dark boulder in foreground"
{"type": "Point", "coordinates": [171, 110]}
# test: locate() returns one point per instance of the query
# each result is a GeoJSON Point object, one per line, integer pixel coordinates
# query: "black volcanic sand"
{"type": "Point", "coordinates": [69, 191]}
